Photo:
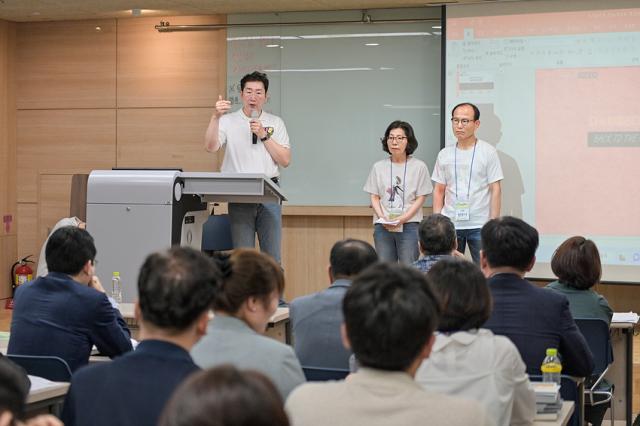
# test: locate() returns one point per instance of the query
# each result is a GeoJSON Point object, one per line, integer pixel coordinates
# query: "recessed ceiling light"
{"type": "Point", "coordinates": [372, 44]}
{"type": "Point", "coordinates": [437, 27]}
{"type": "Point", "coordinates": [98, 28]}
{"type": "Point", "coordinates": [272, 45]}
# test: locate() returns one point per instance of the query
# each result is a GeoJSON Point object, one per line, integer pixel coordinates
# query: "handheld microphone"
{"type": "Point", "coordinates": [254, 115]}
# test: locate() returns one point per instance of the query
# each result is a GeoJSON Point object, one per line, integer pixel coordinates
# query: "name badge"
{"type": "Point", "coordinates": [463, 210]}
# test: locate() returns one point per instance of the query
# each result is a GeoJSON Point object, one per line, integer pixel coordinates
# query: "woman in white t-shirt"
{"type": "Point", "coordinates": [398, 186]}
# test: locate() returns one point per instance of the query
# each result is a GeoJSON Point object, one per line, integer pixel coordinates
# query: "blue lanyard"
{"type": "Point", "coordinates": [455, 168]}
{"type": "Point", "coordinates": [404, 182]}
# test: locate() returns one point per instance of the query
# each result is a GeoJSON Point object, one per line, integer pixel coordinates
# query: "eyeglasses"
{"type": "Point", "coordinates": [463, 121]}
{"type": "Point", "coordinates": [396, 138]}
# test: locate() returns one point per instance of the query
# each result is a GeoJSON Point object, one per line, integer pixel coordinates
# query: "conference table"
{"type": "Point", "coordinates": [45, 396]}
{"type": "Point", "coordinates": [563, 417]}
{"type": "Point", "coordinates": [621, 371]}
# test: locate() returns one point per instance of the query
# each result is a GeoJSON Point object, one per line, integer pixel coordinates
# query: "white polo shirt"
{"type": "Point", "coordinates": [241, 155]}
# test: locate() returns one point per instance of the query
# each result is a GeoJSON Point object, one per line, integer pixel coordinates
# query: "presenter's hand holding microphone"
{"type": "Point", "coordinates": [256, 127]}
{"type": "Point", "coordinates": [222, 106]}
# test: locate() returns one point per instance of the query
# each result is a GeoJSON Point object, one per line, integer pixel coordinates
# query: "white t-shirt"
{"type": "Point", "coordinates": [473, 184]}
{"type": "Point", "coordinates": [387, 180]}
{"type": "Point", "coordinates": [241, 155]}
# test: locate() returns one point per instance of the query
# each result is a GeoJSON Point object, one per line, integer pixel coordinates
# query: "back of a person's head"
{"type": "Point", "coordinates": [176, 286]}
{"type": "Point", "coordinates": [68, 250]}
{"type": "Point", "coordinates": [463, 293]}
{"type": "Point", "coordinates": [14, 387]}
{"type": "Point", "coordinates": [509, 241]}
{"type": "Point", "coordinates": [349, 257]}
{"type": "Point", "coordinates": [390, 312]}
{"type": "Point", "coordinates": [225, 396]}
{"type": "Point", "coordinates": [576, 263]}
{"type": "Point", "coordinates": [246, 273]}
{"type": "Point", "coordinates": [437, 235]}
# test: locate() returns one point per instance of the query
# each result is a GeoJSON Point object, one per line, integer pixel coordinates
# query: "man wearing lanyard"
{"type": "Point", "coordinates": [467, 179]}
{"type": "Point", "coordinates": [256, 142]}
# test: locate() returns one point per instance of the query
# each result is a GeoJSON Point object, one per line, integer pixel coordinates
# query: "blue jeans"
{"type": "Point", "coordinates": [397, 246]}
{"type": "Point", "coordinates": [471, 237]}
{"type": "Point", "coordinates": [247, 219]}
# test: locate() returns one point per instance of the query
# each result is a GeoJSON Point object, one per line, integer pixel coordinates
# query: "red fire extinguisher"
{"type": "Point", "coordinates": [21, 272]}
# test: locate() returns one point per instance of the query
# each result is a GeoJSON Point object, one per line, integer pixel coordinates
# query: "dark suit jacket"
{"type": "Point", "coordinates": [536, 319]}
{"type": "Point", "coordinates": [131, 390]}
{"type": "Point", "coordinates": [315, 323]}
{"type": "Point", "coordinates": [55, 315]}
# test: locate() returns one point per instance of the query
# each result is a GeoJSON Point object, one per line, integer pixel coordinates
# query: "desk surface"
{"type": "Point", "coordinates": [45, 391]}
{"type": "Point", "coordinates": [563, 418]}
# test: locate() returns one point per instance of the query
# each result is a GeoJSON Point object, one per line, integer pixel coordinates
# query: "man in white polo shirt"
{"type": "Point", "coordinates": [256, 142]}
{"type": "Point", "coordinates": [467, 179]}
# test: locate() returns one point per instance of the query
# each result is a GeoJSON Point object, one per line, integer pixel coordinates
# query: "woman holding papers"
{"type": "Point", "coordinates": [398, 186]}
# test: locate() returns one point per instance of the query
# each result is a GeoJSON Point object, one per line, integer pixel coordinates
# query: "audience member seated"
{"type": "Point", "coordinates": [390, 313]}
{"type": "Point", "coordinates": [470, 361]}
{"type": "Point", "coordinates": [576, 263]}
{"type": "Point", "coordinates": [14, 388]}
{"type": "Point", "coordinates": [175, 292]}
{"type": "Point", "coordinates": [437, 241]}
{"type": "Point", "coordinates": [316, 318]}
{"type": "Point", "coordinates": [66, 312]}
{"type": "Point", "coordinates": [533, 318]}
{"type": "Point", "coordinates": [252, 284]}
{"type": "Point", "coordinates": [42, 260]}
{"type": "Point", "coordinates": [225, 396]}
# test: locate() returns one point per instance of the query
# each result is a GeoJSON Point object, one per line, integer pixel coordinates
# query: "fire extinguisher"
{"type": "Point", "coordinates": [21, 272]}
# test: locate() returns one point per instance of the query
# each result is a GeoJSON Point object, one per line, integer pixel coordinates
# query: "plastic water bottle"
{"type": "Point", "coordinates": [551, 367]}
{"type": "Point", "coordinates": [116, 287]}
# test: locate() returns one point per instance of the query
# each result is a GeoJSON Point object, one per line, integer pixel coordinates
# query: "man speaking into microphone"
{"type": "Point", "coordinates": [256, 142]}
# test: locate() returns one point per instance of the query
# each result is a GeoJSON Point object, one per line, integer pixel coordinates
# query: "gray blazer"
{"type": "Point", "coordinates": [315, 324]}
{"type": "Point", "coordinates": [230, 340]}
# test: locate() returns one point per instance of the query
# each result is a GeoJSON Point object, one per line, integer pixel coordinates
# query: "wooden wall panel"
{"type": "Point", "coordinates": [307, 242]}
{"type": "Point", "coordinates": [8, 204]}
{"type": "Point", "coordinates": [185, 69]}
{"type": "Point", "coordinates": [66, 64]}
{"type": "Point", "coordinates": [54, 193]}
{"type": "Point", "coordinates": [28, 230]}
{"type": "Point", "coordinates": [7, 257]}
{"type": "Point", "coordinates": [360, 228]}
{"type": "Point", "coordinates": [62, 141]}
{"type": "Point", "coordinates": [164, 137]}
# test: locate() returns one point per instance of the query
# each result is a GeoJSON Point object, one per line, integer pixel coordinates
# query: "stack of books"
{"type": "Point", "coordinates": [548, 401]}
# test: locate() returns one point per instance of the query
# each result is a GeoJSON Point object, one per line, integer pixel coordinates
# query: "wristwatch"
{"type": "Point", "coordinates": [266, 138]}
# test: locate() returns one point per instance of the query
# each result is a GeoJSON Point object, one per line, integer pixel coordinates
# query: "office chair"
{"type": "Point", "coordinates": [569, 392]}
{"type": "Point", "coordinates": [216, 234]}
{"type": "Point", "coordinates": [320, 374]}
{"type": "Point", "coordinates": [49, 367]}
{"type": "Point", "coordinates": [596, 333]}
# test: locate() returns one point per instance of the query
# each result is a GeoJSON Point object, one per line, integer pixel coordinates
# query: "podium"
{"type": "Point", "coordinates": [132, 213]}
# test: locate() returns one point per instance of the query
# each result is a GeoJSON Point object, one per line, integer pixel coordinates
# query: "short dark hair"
{"type": "Point", "coordinates": [255, 76]}
{"type": "Point", "coordinates": [437, 234]}
{"type": "Point", "coordinates": [349, 257]}
{"type": "Point", "coordinates": [390, 312]}
{"type": "Point", "coordinates": [247, 273]}
{"type": "Point", "coordinates": [476, 111]}
{"type": "Point", "coordinates": [576, 263]}
{"type": "Point", "coordinates": [509, 241]}
{"type": "Point", "coordinates": [463, 292]}
{"type": "Point", "coordinates": [14, 388]}
{"type": "Point", "coordinates": [176, 286]}
{"type": "Point", "coordinates": [225, 396]}
{"type": "Point", "coordinates": [412, 142]}
{"type": "Point", "coordinates": [69, 248]}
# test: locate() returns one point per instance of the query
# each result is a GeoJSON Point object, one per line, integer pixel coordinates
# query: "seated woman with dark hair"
{"type": "Point", "coordinates": [225, 396]}
{"type": "Point", "coordinates": [469, 361]}
{"type": "Point", "coordinates": [247, 298]}
{"type": "Point", "coordinates": [576, 263]}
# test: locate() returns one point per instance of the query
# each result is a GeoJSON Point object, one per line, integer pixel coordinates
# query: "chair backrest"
{"type": "Point", "coordinates": [216, 233]}
{"type": "Point", "coordinates": [316, 374]}
{"type": "Point", "coordinates": [596, 333]}
{"type": "Point", "coordinates": [568, 392]}
{"type": "Point", "coordinates": [49, 367]}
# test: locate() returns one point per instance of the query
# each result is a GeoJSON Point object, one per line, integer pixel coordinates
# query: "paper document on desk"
{"type": "Point", "coordinates": [387, 222]}
{"type": "Point", "coordinates": [629, 317]}
{"type": "Point", "coordinates": [39, 383]}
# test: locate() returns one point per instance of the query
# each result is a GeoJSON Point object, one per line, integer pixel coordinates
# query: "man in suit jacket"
{"type": "Point", "coordinates": [390, 313]}
{"type": "Point", "coordinates": [316, 318]}
{"type": "Point", "coordinates": [66, 312]}
{"type": "Point", "coordinates": [533, 318]}
{"type": "Point", "coordinates": [175, 292]}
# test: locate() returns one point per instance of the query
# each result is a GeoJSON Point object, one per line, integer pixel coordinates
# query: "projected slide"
{"type": "Point", "coordinates": [558, 94]}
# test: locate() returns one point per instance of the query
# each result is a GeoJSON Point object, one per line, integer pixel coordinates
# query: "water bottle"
{"type": "Point", "coordinates": [116, 287]}
{"type": "Point", "coordinates": [551, 367]}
